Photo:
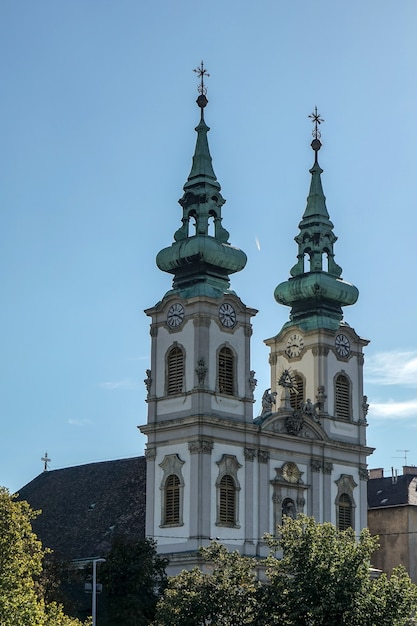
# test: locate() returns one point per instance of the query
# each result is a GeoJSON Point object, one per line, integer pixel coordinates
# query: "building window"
{"type": "Point", "coordinates": [297, 393]}
{"type": "Point", "coordinates": [172, 500]}
{"type": "Point", "coordinates": [228, 487]}
{"type": "Point", "coordinates": [225, 372]}
{"type": "Point", "coordinates": [342, 397]}
{"type": "Point", "coordinates": [345, 502]}
{"type": "Point", "coordinates": [175, 370]}
{"type": "Point", "coordinates": [227, 512]}
{"type": "Point", "coordinates": [344, 518]}
{"type": "Point", "coordinates": [172, 491]}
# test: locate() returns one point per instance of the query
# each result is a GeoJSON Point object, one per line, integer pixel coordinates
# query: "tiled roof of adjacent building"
{"type": "Point", "coordinates": [393, 491]}
{"type": "Point", "coordinates": [84, 507]}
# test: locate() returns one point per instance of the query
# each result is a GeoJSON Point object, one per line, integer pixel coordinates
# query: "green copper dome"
{"type": "Point", "coordinates": [201, 262]}
{"type": "Point", "coordinates": [316, 292]}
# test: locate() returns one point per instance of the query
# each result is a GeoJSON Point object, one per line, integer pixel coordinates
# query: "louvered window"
{"type": "Point", "coordinates": [175, 367]}
{"type": "Point", "coordinates": [172, 500]}
{"type": "Point", "coordinates": [227, 512]}
{"type": "Point", "coordinates": [297, 393]}
{"type": "Point", "coordinates": [344, 512]}
{"type": "Point", "coordinates": [342, 408]}
{"type": "Point", "coordinates": [225, 371]}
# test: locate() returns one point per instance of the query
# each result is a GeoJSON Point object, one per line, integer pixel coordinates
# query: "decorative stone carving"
{"type": "Point", "coordinates": [248, 330]}
{"type": "Point", "coordinates": [263, 456]}
{"type": "Point", "coordinates": [308, 409]}
{"type": "Point", "coordinates": [150, 454]}
{"type": "Point", "coordinates": [148, 382]}
{"type": "Point", "coordinates": [294, 423]}
{"type": "Point", "coordinates": [201, 371]}
{"type": "Point", "coordinates": [268, 399]}
{"type": "Point", "coordinates": [361, 359]}
{"type": "Point", "coordinates": [153, 330]}
{"type": "Point", "coordinates": [327, 467]}
{"type": "Point", "coordinates": [363, 473]}
{"type": "Point", "coordinates": [316, 465]}
{"type": "Point", "coordinates": [249, 453]}
{"type": "Point", "coordinates": [272, 359]}
{"type": "Point", "coordinates": [252, 381]}
{"type": "Point", "coordinates": [365, 407]}
{"type": "Point", "coordinates": [321, 398]}
{"type": "Point", "coordinates": [300, 504]}
{"type": "Point", "coordinates": [203, 446]}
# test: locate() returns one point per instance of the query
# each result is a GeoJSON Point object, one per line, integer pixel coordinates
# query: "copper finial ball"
{"type": "Point", "coordinates": [202, 101]}
{"type": "Point", "coordinates": [316, 145]}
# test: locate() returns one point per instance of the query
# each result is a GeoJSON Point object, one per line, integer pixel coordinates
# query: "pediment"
{"type": "Point", "coordinates": [295, 425]}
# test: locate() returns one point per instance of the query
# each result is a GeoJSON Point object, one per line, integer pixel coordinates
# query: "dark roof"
{"type": "Point", "coordinates": [390, 492]}
{"type": "Point", "coordinates": [84, 507]}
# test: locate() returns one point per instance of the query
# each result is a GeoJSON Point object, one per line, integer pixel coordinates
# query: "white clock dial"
{"type": "Point", "coordinates": [175, 315]}
{"type": "Point", "coordinates": [295, 345]}
{"type": "Point", "coordinates": [342, 344]}
{"type": "Point", "coordinates": [227, 315]}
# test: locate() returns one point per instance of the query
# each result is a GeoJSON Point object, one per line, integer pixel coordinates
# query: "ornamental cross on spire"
{"type": "Point", "coordinates": [317, 120]}
{"type": "Point", "coordinates": [46, 461]}
{"type": "Point", "coordinates": [201, 72]}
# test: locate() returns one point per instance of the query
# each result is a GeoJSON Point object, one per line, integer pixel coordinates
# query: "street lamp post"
{"type": "Point", "coordinates": [94, 590]}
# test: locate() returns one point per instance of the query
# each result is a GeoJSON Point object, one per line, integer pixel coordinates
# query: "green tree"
{"type": "Point", "coordinates": [22, 601]}
{"type": "Point", "coordinates": [315, 575]}
{"type": "Point", "coordinates": [133, 578]}
{"type": "Point", "coordinates": [225, 594]}
{"type": "Point", "coordinates": [323, 577]}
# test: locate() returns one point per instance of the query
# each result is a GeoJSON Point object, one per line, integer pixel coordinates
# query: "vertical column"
{"type": "Point", "coordinates": [314, 504]}
{"type": "Point", "coordinates": [150, 455]}
{"type": "Point", "coordinates": [263, 498]}
{"type": "Point", "coordinates": [200, 488]}
{"type": "Point", "coordinates": [250, 504]}
{"type": "Point", "coordinates": [328, 505]}
{"type": "Point", "coordinates": [363, 497]}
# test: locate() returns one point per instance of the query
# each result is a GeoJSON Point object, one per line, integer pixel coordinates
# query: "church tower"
{"type": "Point", "coordinates": [200, 384]}
{"type": "Point", "coordinates": [316, 402]}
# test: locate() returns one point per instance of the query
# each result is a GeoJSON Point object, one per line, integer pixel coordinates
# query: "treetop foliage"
{"type": "Point", "coordinates": [315, 575]}
{"type": "Point", "coordinates": [22, 600]}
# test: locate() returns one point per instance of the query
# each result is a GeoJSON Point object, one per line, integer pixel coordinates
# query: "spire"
{"type": "Point", "coordinates": [201, 257]}
{"type": "Point", "coordinates": [316, 292]}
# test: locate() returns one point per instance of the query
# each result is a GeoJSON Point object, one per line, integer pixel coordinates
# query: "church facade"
{"type": "Point", "coordinates": [213, 471]}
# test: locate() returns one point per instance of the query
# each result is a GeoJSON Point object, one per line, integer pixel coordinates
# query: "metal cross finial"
{"type": "Point", "coordinates": [201, 72]}
{"type": "Point", "coordinates": [317, 120]}
{"type": "Point", "coordinates": [46, 460]}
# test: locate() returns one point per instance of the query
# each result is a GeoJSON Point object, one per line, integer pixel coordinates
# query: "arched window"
{"type": "Point", "coordinates": [344, 512]}
{"type": "Point", "coordinates": [288, 508]}
{"type": "Point", "coordinates": [297, 393]}
{"type": "Point", "coordinates": [172, 500]}
{"type": "Point", "coordinates": [342, 397]}
{"type": "Point", "coordinates": [225, 372]}
{"type": "Point", "coordinates": [227, 501]}
{"type": "Point", "coordinates": [175, 370]}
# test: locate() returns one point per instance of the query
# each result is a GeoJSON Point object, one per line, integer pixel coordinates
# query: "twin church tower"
{"type": "Point", "coordinates": [213, 471]}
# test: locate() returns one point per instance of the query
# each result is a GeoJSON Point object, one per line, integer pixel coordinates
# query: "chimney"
{"type": "Point", "coordinates": [410, 469]}
{"type": "Point", "coordinates": [376, 473]}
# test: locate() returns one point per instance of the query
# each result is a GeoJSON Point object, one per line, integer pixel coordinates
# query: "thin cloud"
{"type": "Point", "coordinates": [392, 368]}
{"type": "Point", "coordinates": [128, 383]}
{"type": "Point", "coordinates": [393, 409]}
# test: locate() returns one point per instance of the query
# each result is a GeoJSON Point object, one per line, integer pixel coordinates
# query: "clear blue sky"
{"type": "Point", "coordinates": [97, 117]}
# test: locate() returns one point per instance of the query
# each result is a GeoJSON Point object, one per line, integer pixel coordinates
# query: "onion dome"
{"type": "Point", "coordinates": [316, 292]}
{"type": "Point", "coordinates": [201, 262]}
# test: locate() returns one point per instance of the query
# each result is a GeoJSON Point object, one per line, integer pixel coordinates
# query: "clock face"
{"type": "Point", "coordinates": [227, 315]}
{"type": "Point", "coordinates": [175, 315]}
{"type": "Point", "coordinates": [295, 345]}
{"type": "Point", "coordinates": [342, 344]}
{"type": "Point", "coordinates": [291, 473]}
